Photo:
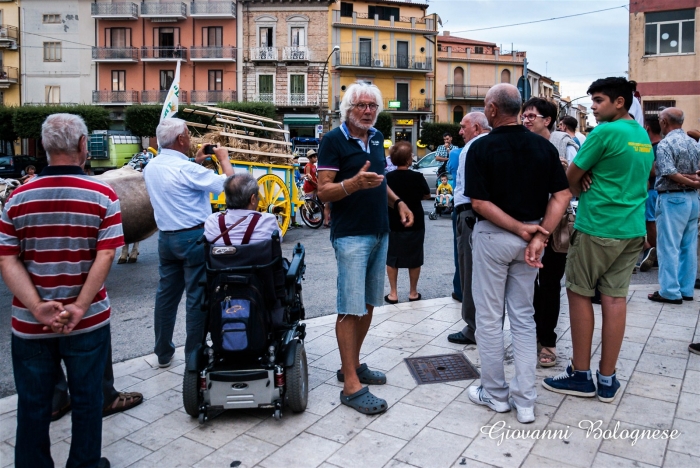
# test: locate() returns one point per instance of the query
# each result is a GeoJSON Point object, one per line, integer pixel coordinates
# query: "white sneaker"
{"type": "Point", "coordinates": [525, 415]}
{"type": "Point", "coordinates": [481, 397]}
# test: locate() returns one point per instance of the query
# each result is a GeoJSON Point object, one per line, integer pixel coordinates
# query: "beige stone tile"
{"type": "Point", "coordinates": [281, 432]}
{"type": "Point", "coordinates": [671, 317]}
{"type": "Point", "coordinates": [131, 366]}
{"type": "Point", "coordinates": [314, 332]}
{"type": "Point", "coordinates": [389, 329]}
{"type": "Point", "coordinates": [463, 461]}
{"type": "Point", "coordinates": [59, 453]}
{"type": "Point", "coordinates": [640, 320]}
{"type": "Point", "coordinates": [674, 332]}
{"type": "Point", "coordinates": [661, 365]}
{"type": "Point", "coordinates": [687, 441]}
{"type": "Point", "coordinates": [125, 381]}
{"type": "Point", "coordinates": [123, 453]}
{"type": "Point", "coordinates": [8, 427]}
{"type": "Point", "coordinates": [430, 327]}
{"type": "Point", "coordinates": [432, 396]}
{"type": "Point", "coordinates": [341, 424]}
{"type": "Point", "coordinates": [606, 460]}
{"type": "Point", "coordinates": [691, 382]}
{"type": "Point", "coordinates": [421, 450]}
{"type": "Point", "coordinates": [400, 376]}
{"type": "Point", "coordinates": [318, 376]}
{"type": "Point", "coordinates": [545, 397]}
{"type": "Point", "coordinates": [323, 399]}
{"type": "Point", "coordinates": [119, 426]}
{"type": "Point", "coordinates": [536, 461]}
{"type": "Point", "coordinates": [402, 420]}
{"type": "Point", "coordinates": [408, 341]}
{"type": "Point", "coordinates": [222, 429]}
{"type": "Point", "coordinates": [373, 343]}
{"type": "Point", "coordinates": [433, 350]}
{"type": "Point", "coordinates": [641, 411]}
{"type": "Point", "coordinates": [321, 345]}
{"type": "Point", "coordinates": [390, 393]}
{"type": "Point", "coordinates": [637, 334]}
{"type": "Point", "coordinates": [449, 315]}
{"type": "Point", "coordinates": [8, 404]}
{"type": "Point", "coordinates": [485, 448]}
{"type": "Point", "coordinates": [462, 384]}
{"type": "Point", "coordinates": [465, 419]}
{"type": "Point", "coordinates": [156, 385]}
{"type": "Point", "coordinates": [149, 372]}
{"type": "Point", "coordinates": [247, 450]}
{"type": "Point", "coordinates": [631, 350]}
{"type": "Point", "coordinates": [654, 386]}
{"type": "Point", "coordinates": [413, 316]}
{"type": "Point", "coordinates": [688, 407]}
{"type": "Point", "coordinates": [645, 450]}
{"type": "Point", "coordinates": [180, 452]}
{"type": "Point", "coordinates": [163, 431]}
{"type": "Point", "coordinates": [155, 408]}
{"type": "Point", "coordinates": [680, 460]}
{"type": "Point", "coordinates": [385, 359]}
{"type": "Point", "coordinates": [441, 340]}
{"type": "Point", "coordinates": [368, 449]}
{"type": "Point", "coordinates": [61, 429]}
{"type": "Point", "coordinates": [666, 347]}
{"type": "Point", "coordinates": [574, 409]}
{"type": "Point", "coordinates": [329, 362]}
{"type": "Point", "coordinates": [7, 455]}
{"type": "Point", "coordinates": [694, 361]}
{"type": "Point", "coordinates": [304, 451]}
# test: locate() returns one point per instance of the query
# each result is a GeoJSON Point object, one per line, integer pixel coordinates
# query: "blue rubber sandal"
{"type": "Point", "coordinates": [364, 402]}
{"type": "Point", "coordinates": [367, 376]}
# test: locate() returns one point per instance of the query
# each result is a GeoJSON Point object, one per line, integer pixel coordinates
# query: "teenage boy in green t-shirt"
{"type": "Point", "coordinates": [610, 175]}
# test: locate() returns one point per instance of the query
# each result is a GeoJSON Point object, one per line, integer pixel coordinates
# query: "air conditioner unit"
{"type": "Point", "coordinates": [378, 63]}
{"type": "Point", "coordinates": [420, 65]}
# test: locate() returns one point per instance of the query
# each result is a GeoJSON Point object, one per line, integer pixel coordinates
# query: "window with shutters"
{"type": "Point", "coordinates": [384, 13]}
{"type": "Point", "coordinates": [52, 94]}
{"type": "Point", "coordinates": [118, 80]}
{"type": "Point", "coordinates": [216, 80]}
{"type": "Point", "coordinates": [166, 79]}
{"type": "Point", "coordinates": [51, 19]}
{"type": "Point", "coordinates": [212, 36]}
{"type": "Point", "coordinates": [117, 37]}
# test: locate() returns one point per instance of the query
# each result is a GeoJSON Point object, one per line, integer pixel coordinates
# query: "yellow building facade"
{"type": "Point", "coordinates": [390, 44]}
{"type": "Point", "coordinates": [9, 53]}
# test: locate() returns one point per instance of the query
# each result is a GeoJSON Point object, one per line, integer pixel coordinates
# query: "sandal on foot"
{"type": "Point", "coordinates": [415, 298]}
{"type": "Point", "coordinates": [364, 402]}
{"type": "Point", "coordinates": [390, 301]}
{"type": "Point", "coordinates": [547, 357]}
{"type": "Point", "coordinates": [365, 375]}
{"type": "Point", "coordinates": [124, 402]}
{"type": "Point", "coordinates": [656, 297]}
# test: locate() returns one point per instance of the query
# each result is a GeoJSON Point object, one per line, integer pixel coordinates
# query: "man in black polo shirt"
{"type": "Point", "coordinates": [510, 176]}
{"type": "Point", "coordinates": [351, 176]}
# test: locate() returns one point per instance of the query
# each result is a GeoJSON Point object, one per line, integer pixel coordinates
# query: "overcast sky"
{"type": "Point", "coordinates": [573, 51]}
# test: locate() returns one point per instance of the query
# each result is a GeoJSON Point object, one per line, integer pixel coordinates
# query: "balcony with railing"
{"type": "Point", "coordinates": [115, 11]}
{"type": "Point", "coordinates": [8, 76]}
{"type": "Point", "coordinates": [296, 54]}
{"type": "Point", "coordinates": [466, 91]}
{"type": "Point", "coordinates": [213, 10]}
{"type": "Point", "coordinates": [466, 53]}
{"type": "Point", "coordinates": [212, 97]}
{"type": "Point", "coordinates": [288, 100]}
{"type": "Point", "coordinates": [8, 36]}
{"type": "Point", "coordinates": [115, 54]}
{"type": "Point", "coordinates": [408, 63]}
{"type": "Point", "coordinates": [167, 10]}
{"type": "Point", "coordinates": [420, 24]}
{"type": "Point", "coordinates": [163, 54]}
{"type": "Point", "coordinates": [213, 54]}
{"type": "Point", "coordinates": [152, 96]}
{"type": "Point", "coordinates": [409, 105]}
{"type": "Point", "coordinates": [263, 54]}
{"type": "Point", "coordinates": [115, 97]}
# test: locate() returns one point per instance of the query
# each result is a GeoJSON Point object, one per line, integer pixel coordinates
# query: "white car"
{"type": "Point", "coordinates": [428, 166]}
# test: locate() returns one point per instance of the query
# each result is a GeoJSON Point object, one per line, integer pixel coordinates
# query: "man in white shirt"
{"type": "Point", "coordinates": [473, 126]}
{"type": "Point", "coordinates": [179, 192]}
{"type": "Point", "coordinates": [242, 193]}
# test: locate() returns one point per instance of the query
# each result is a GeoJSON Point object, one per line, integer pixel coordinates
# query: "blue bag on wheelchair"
{"type": "Point", "coordinates": [235, 315]}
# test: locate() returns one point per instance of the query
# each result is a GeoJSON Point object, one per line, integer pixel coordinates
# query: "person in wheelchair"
{"type": "Point", "coordinates": [241, 223]}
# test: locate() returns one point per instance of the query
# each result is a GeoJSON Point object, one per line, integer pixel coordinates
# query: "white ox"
{"type": "Point", "coordinates": [137, 213]}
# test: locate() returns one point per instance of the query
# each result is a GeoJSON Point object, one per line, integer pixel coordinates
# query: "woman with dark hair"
{"type": "Point", "coordinates": [405, 244]}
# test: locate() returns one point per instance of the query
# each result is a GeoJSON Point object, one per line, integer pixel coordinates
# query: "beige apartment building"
{"type": "Point", "coordinates": [663, 56]}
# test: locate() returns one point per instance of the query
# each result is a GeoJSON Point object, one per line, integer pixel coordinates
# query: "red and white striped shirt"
{"type": "Point", "coordinates": [56, 225]}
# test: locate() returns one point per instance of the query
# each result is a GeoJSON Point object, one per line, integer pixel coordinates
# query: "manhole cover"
{"type": "Point", "coordinates": [441, 368]}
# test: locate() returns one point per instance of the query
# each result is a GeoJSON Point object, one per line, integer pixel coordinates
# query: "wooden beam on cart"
{"type": "Point", "coordinates": [264, 140]}
{"type": "Point", "coordinates": [243, 115]}
{"type": "Point", "coordinates": [257, 127]}
{"type": "Point", "coordinates": [261, 153]}
{"type": "Point", "coordinates": [217, 114]}
{"type": "Point", "coordinates": [200, 125]}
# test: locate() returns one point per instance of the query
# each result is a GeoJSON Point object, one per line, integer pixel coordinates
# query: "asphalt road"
{"type": "Point", "coordinates": [132, 287]}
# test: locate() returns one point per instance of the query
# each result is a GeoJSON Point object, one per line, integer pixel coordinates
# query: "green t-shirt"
{"type": "Point", "coordinates": [619, 156]}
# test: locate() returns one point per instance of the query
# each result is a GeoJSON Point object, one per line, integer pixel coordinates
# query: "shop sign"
{"type": "Point", "coordinates": [404, 121]}
{"type": "Point", "coordinates": [394, 104]}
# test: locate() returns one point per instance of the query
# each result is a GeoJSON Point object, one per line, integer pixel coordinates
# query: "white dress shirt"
{"type": "Point", "coordinates": [179, 190]}
{"type": "Point", "coordinates": [460, 198]}
{"type": "Point", "coordinates": [267, 224]}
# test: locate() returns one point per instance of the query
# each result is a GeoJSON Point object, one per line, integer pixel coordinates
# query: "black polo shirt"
{"type": "Point", "coordinates": [516, 170]}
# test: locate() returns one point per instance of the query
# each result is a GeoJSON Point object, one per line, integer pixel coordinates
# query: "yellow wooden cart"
{"type": "Point", "coordinates": [279, 194]}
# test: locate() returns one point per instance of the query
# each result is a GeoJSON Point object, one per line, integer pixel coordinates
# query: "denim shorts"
{"type": "Point", "coordinates": [650, 209]}
{"type": "Point", "coordinates": [361, 261]}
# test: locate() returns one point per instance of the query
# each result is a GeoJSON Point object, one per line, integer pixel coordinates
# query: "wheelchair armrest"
{"type": "Point", "coordinates": [296, 267]}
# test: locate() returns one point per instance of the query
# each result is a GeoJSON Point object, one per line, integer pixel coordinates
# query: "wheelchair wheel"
{"type": "Point", "coordinates": [312, 214]}
{"type": "Point", "coordinates": [191, 397]}
{"type": "Point", "coordinates": [297, 378]}
{"type": "Point", "coordinates": [432, 216]}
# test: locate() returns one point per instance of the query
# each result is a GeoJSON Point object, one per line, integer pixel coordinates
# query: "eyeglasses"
{"type": "Point", "coordinates": [531, 116]}
{"type": "Point", "coordinates": [363, 106]}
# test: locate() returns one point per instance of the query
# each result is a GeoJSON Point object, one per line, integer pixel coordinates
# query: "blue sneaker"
{"type": "Point", "coordinates": [608, 387]}
{"type": "Point", "coordinates": [571, 382]}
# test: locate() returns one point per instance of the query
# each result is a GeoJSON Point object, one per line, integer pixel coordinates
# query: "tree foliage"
{"type": "Point", "coordinates": [7, 130]}
{"type": "Point", "coordinates": [27, 120]}
{"type": "Point", "coordinates": [384, 124]}
{"type": "Point", "coordinates": [142, 120]}
{"type": "Point", "coordinates": [432, 134]}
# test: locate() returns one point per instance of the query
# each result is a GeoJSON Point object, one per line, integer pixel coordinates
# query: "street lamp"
{"type": "Point", "coordinates": [323, 78]}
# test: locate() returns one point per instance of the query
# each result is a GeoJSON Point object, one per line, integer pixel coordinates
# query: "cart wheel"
{"type": "Point", "coordinates": [312, 213]}
{"type": "Point", "coordinates": [297, 378]}
{"type": "Point", "coordinates": [277, 415]}
{"type": "Point", "coordinates": [202, 417]}
{"type": "Point", "coordinates": [432, 216]}
{"type": "Point", "coordinates": [274, 198]}
{"type": "Point", "coordinates": [191, 396]}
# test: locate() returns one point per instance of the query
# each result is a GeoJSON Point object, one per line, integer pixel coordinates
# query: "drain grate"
{"type": "Point", "coordinates": [441, 368]}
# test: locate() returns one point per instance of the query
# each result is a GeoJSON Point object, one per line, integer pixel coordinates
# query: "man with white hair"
{"type": "Point", "coordinates": [351, 176]}
{"type": "Point", "coordinates": [58, 238]}
{"type": "Point", "coordinates": [179, 192]}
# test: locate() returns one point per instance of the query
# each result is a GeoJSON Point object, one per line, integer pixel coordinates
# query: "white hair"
{"type": "Point", "coordinates": [60, 133]}
{"type": "Point", "coordinates": [479, 118]}
{"type": "Point", "coordinates": [353, 94]}
{"type": "Point", "coordinates": [168, 131]}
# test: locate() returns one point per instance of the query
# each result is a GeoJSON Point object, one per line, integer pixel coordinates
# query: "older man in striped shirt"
{"type": "Point", "coordinates": [58, 237]}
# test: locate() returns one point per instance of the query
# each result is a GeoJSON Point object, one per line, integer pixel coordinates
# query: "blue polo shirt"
{"type": "Point", "coordinates": [364, 212]}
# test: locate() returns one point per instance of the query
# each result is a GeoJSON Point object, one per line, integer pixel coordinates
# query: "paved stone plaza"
{"type": "Point", "coordinates": [426, 425]}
